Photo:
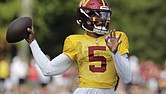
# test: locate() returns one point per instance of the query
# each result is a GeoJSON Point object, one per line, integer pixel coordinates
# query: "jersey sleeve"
{"type": "Point", "coordinates": [69, 48]}
{"type": "Point", "coordinates": [124, 46]}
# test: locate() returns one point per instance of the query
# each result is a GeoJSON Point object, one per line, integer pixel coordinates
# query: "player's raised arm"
{"type": "Point", "coordinates": [121, 61]}
{"type": "Point", "coordinates": [58, 65]}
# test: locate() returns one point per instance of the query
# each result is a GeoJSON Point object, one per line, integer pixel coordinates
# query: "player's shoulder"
{"type": "Point", "coordinates": [75, 37]}
{"type": "Point", "coordinates": [121, 32]}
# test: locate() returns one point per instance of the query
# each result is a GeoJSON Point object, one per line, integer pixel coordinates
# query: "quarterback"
{"type": "Point", "coordinates": [101, 54]}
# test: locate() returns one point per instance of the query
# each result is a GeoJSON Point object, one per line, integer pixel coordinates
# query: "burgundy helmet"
{"type": "Point", "coordinates": [94, 16]}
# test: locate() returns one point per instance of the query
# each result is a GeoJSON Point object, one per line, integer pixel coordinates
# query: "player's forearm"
{"type": "Point", "coordinates": [57, 66]}
{"type": "Point", "coordinates": [122, 67]}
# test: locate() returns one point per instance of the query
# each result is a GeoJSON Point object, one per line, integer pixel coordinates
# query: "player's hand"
{"type": "Point", "coordinates": [113, 41]}
{"type": "Point", "coordinates": [31, 36]}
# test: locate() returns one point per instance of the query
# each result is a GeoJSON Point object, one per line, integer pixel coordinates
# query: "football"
{"type": "Point", "coordinates": [17, 29]}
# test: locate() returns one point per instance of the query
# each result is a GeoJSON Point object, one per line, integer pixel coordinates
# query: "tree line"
{"type": "Point", "coordinates": [143, 21]}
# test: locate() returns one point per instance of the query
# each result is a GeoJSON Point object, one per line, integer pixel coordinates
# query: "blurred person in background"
{"type": "Point", "coordinates": [19, 70]}
{"type": "Point", "coordinates": [33, 76]}
{"type": "Point", "coordinates": [135, 68]}
{"type": "Point", "coordinates": [150, 72]}
{"type": "Point", "coordinates": [137, 81]}
{"type": "Point", "coordinates": [4, 73]}
{"type": "Point", "coordinates": [162, 80]}
{"type": "Point", "coordinates": [101, 54]}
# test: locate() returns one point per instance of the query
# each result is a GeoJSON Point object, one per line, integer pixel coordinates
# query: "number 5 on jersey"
{"type": "Point", "coordinates": [93, 57]}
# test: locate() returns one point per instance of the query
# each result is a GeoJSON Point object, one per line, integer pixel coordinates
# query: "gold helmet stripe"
{"type": "Point", "coordinates": [83, 3]}
{"type": "Point", "coordinates": [103, 2]}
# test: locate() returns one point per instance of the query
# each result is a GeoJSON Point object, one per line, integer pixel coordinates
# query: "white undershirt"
{"type": "Point", "coordinates": [62, 63]}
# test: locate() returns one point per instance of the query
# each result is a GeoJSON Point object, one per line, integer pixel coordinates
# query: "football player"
{"type": "Point", "coordinates": [101, 54]}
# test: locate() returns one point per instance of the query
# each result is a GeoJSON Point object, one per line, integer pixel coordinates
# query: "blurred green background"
{"type": "Point", "coordinates": [144, 22]}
